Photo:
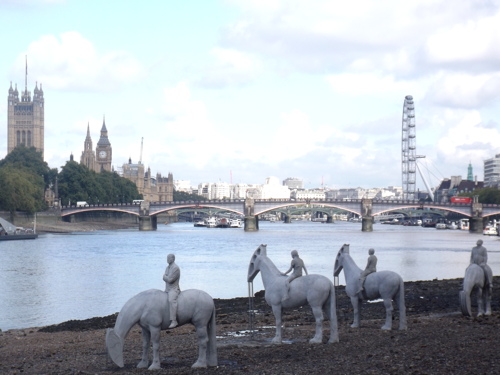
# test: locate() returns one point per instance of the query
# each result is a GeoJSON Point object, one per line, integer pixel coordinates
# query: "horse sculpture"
{"type": "Point", "coordinates": [150, 310]}
{"type": "Point", "coordinates": [475, 279]}
{"type": "Point", "coordinates": [387, 285]}
{"type": "Point", "coordinates": [316, 290]}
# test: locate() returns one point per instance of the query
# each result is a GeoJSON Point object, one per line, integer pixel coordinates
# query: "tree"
{"type": "Point", "coordinates": [32, 160]}
{"type": "Point", "coordinates": [21, 190]}
{"type": "Point", "coordinates": [78, 183]}
{"type": "Point", "coordinates": [183, 196]}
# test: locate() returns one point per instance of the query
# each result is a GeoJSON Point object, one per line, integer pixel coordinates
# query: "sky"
{"type": "Point", "coordinates": [239, 90]}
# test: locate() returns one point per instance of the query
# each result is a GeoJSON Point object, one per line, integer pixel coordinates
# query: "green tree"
{"type": "Point", "coordinates": [77, 183]}
{"type": "Point", "coordinates": [183, 196]}
{"type": "Point", "coordinates": [32, 160]}
{"type": "Point", "coordinates": [487, 195]}
{"type": "Point", "coordinates": [21, 190]}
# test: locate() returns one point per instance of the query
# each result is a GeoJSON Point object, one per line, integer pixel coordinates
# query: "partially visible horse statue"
{"type": "Point", "coordinates": [317, 290]}
{"type": "Point", "coordinates": [475, 279]}
{"type": "Point", "coordinates": [387, 285]}
{"type": "Point", "coordinates": [150, 310]}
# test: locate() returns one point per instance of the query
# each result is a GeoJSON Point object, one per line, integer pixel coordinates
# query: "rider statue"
{"type": "Point", "coordinates": [371, 266]}
{"type": "Point", "coordinates": [479, 256]}
{"type": "Point", "coordinates": [296, 265]}
{"type": "Point", "coordinates": [171, 278]}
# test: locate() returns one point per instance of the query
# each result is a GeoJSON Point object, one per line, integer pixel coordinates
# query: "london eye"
{"type": "Point", "coordinates": [409, 149]}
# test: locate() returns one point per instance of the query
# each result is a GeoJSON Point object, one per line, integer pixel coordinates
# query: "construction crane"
{"type": "Point", "coordinates": [140, 156]}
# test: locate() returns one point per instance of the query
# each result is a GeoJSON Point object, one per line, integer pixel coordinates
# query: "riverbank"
{"type": "Point", "coordinates": [86, 226]}
{"type": "Point", "coordinates": [438, 340]}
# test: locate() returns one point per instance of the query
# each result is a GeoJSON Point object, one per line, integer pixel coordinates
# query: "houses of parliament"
{"type": "Point", "coordinates": [26, 126]}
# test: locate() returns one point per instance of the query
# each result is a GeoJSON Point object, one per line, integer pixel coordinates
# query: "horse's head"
{"type": "Point", "coordinates": [253, 267]}
{"type": "Point", "coordinates": [339, 265]}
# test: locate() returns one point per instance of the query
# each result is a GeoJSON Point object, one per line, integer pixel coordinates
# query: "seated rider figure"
{"type": "Point", "coordinates": [479, 256]}
{"type": "Point", "coordinates": [296, 265]}
{"type": "Point", "coordinates": [371, 266]}
{"type": "Point", "coordinates": [171, 278]}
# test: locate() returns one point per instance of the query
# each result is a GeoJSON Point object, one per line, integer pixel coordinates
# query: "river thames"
{"type": "Point", "coordinates": [59, 277]}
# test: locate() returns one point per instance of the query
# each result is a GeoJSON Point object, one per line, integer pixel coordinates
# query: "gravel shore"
{"type": "Point", "coordinates": [439, 340]}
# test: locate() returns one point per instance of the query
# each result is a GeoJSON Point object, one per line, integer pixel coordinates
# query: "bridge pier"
{"type": "Point", "coordinates": [251, 223]}
{"type": "Point", "coordinates": [366, 217]}
{"type": "Point", "coordinates": [476, 225]}
{"type": "Point", "coordinates": [147, 223]}
{"type": "Point", "coordinates": [329, 219]}
{"type": "Point", "coordinates": [476, 220]}
{"type": "Point", "coordinates": [367, 224]}
{"type": "Point", "coordinates": [288, 219]}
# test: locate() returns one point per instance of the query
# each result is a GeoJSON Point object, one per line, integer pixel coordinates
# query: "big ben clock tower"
{"type": "Point", "coordinates": [103, 151]}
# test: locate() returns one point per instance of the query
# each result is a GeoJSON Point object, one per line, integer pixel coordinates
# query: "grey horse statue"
{"type": "Point", "coordinates": [316, 290]}
{"type": "Point", "coordinates": [149, 309]}
{"type": "Point", "coordinates": [475, 279]}
{"type": "Point", "coordinates": [387, 285]}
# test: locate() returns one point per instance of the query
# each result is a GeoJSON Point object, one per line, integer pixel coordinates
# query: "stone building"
{"type": "Point", "coordinates": [152, 189]}
{"type": "Point", "coordinates": [25, 118]}
{"type": "Point", "coordinates": [101, 159]}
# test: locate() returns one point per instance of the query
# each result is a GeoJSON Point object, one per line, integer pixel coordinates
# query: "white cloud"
{"type": "Point", "coordinates": [230, 67]}
{"type": "Point", "coordinates": [71, 62]}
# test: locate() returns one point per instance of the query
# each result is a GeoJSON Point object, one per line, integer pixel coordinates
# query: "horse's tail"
{"type": "Point", "coordinates": [402, 305]}
{"type": "Point", "coordinates": [331, 308]}
{"type": "Point", "coordinates": [114, 346]}
{"type": "Point", "coordinates": [212, 341]}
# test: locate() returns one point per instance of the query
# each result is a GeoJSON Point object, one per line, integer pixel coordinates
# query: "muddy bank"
{"type": "Point", "coordinates": [87, 226]}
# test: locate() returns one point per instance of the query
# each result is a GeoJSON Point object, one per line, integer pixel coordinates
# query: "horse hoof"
{"type": "Point", "coordinates": [142, 364]}
{"type": "Point", "coordinates": [315, 341]}
{"type": "Point", "coordinates": [276, 341]}
{"type": "Point", "coordinates": [354, 325]}
{"type": "Point", "coordinates": [385, 328]}
{"type": "Point", "coordinates": [199, 364]}
{"type": "Point", "coordinates": [154, 367]}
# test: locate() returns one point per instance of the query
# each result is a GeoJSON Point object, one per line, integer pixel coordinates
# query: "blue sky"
{"type": "Point", "coordinates": [243, 90]}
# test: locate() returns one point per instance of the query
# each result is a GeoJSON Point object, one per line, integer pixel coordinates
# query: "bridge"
{"type": "Point", "coordinates": [251, 208]}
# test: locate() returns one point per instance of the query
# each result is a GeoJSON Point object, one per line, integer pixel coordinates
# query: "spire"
{"type": "Point", "coordinates": [103, 129]}
{"type": "Point", "coordinates": [26, 77]}
{"type": "Point", "coordinates": [470, 175]}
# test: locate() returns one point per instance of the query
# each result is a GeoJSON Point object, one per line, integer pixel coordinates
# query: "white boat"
{"type": "Point", "coordinates": [440, 226]}
{"type": "Point", "coordinates": [452, 225]}
{"type": "Point", "coordinates": [235, 223]}
{"type": "Point", "coordinates": [490, 230]}
{"type": "Point", "coordinates": [463, 224]}
{"type": "Point", "coordinates": [211, 222]}
{"type": "Point", "coordinates": [200, 223]}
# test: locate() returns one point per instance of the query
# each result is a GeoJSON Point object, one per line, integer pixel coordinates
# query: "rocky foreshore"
{"type": "Point", "coordinates": [438, 340]}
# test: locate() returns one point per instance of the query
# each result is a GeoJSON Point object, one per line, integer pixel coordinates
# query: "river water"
{"type": "Point", "coordinates": [59, 277]}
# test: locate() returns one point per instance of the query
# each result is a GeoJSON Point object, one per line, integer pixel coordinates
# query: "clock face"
{"type": "Point", "coordinates": [102, 154]}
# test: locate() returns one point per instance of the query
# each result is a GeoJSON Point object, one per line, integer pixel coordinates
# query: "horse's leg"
{"type": "Point", "coordinates": [318, 316]}
{"type": "Point", "coordinates": [201, 332]}
{"type": "Point", "coordinates": [155, 338]}
{"type": "Point", "coordinates": [388, 314]}
{"type": "Point", "coordinates": [480, 306]}
{"type": "Point", "coordinates": [487, 298]}
{"type": "Point", "coordinates": [400, 299]}
{"type": "Point", "coordinates": [146, 338]}
{"type": "Point", "coordinates": [355, 307]}
{"type": "Point", "coordinates": [277, 317]}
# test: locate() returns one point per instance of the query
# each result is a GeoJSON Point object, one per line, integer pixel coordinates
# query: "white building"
{"type": "Point", "coordinates": [183, 185]}
{"type": "Point", "coordinates": [309, 194]}
{"type": "Point", "coordinates": [220, 190]}
{"type": "Point", "coordinates": [273, 189]}
{"type": "Point", "coordinates": [492, 171]}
